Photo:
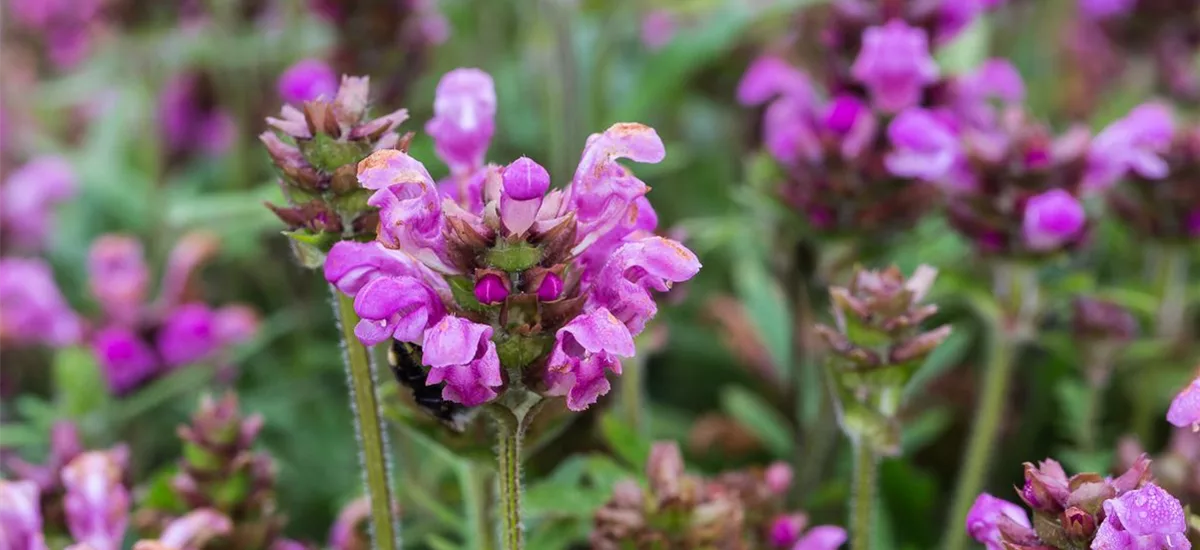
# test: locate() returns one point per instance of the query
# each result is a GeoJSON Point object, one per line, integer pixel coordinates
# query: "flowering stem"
{"type": "Point", "coordinates": [373, 456]}
{"type": "Point", "coordinates": [511, 418]}
{"type": "Point", "coordinates": [862, 525]}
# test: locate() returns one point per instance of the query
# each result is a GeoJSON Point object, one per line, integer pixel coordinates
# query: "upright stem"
{"type": "Point", "coordinates": [633, 393]}
{"type": "Point", "coordinates": [862, 524]}
{"type": "Point", "coordinates": [508, 475]}
{"type": "Point", "coordinates": [1017, 293]}
{"type": "Point", "coordinates": [372, 455]}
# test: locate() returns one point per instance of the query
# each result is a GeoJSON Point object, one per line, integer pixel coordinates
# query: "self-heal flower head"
{"type": "Point", "coordinates": [923, 147]}
{"type": "Point", "coordinates": [96, 502]}
{"type": "Point", "coordinates": [983, 520]}
{"type": "Point", "coordinates": [1051, 219]}
{"type": "Point", "coordinates": [20, 516]}
{"type": "Point", "coordinates": [464, 118]}
{"type": "Point", "coordinates": [1145, 518]}
{"type": "Point", "coordinates": [118, 276]}
{"type": "Point", "coordinates": [461, 354]}
{"type": "Point", "coordinates": [583, 351]}
{"type": "Point", "coordinates": [29, 196]}
{"type": "Point", "coordinates": [895, 65]}
{"type": "Point", "coordinates": [32, 310]}
{"type": "Point", "coordinates": [1134, 144]}
{"type": "Point", "coordinates": [1185, 408]}
{"type": "Point", "coordinates": [307, 80]}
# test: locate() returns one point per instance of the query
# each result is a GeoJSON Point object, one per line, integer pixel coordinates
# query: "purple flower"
{"type": "Point", "coordinates": [623, 285]}
{"type": "Point", "coordinates": [307, 80]}
{"type": "Point", "coordinates": [770, 76]}
{"type": "Point", "coordinates": [96, 503]}
{"type": "Point", "coordinates": [461, 354]}
{"type": "Point", "coordinates": [464, 118]}
{"type": "Point", "coordinates": [192, 531]}
{"type": "Point", "coordinates": [118, 276]}
{"type": "Point", "coordinates": [788, 133]}
{"type": "Point", "coordinates": [20, 516]}
{"type": "Point", "coordinates": [411, 217]}
{"type": "Point", "coordinates": [1146, 518]}
{"type": "Point", "coordinates": [396, 307]}
{"type": "Point", "coordinates": [31, 308]}
{"type": "Point", "coordinates": [1185, 408]}
{"type": "Point", "coordinates": [895, 65]}
{"type": "Point", "coordinates": [235, 324]}
{"type": "Point", "coordinates": [923, 147]}
{"type": "Point", "coordinates": [1132, 144]}
{"type": "Point", "coordinates": [525, 183]}
{"type": "Point", "coordinates": [658, 28]}
{"type": "Point", "coordinates": [29, 196]}
{"type": "Point", "coordinates": [822, 537]}
{"type": "Point", "coordinates": [351, 265]}
{"type": "Point", "coordinates": [1051, 219]}
{"type": "Point", "coordinates": [984, 517]}
{"type": "Point", "coordinates": [583, 350]}
{"type": "Point", "coordinates": [192, 250]}
{"type": "Point", "coordinates": [1104, 9]}
{"type": "Point", "coordinates": [125, 359]}
{"type": "Point", "coordinates": [187, 124]}
{"type": "Point", "coordinates": [344, 535]}
{"type": "Point", "coordinates": [994, 80]}
{"type": "Point", "coordinates": [954, 16]}
{"type": "Point", "coordinates": [785, 530]}
{"type": "Point", "coordinates": [778, 477]}
{"type": "Point", "coordinates": [602, 191]}
{"type": "Point", "coordinates": [188, 335]}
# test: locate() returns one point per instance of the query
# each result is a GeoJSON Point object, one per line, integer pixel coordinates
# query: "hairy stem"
{"type": "Point", "coordinates": [984, 431]}
{"type": "Point", "coordinates": [862, 524]}
{"type": "Point", "coordinates": [508, 476]}
{"type": "Point", "coordinates": [368, 423]}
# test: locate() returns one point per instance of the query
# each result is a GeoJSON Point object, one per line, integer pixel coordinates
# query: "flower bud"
{"type": "Point", "coordinates": [1052, 219]}
{"type": "Point", "coordinates": [550, 288]}
{"type": "Point", "coordinates": [490, 289]}
{"type": "Point", "coordinates": [525, 183]}
{"type": "Point", "coordinates": [1078, 524]}
{"type": "Point", "coordinates": [778, 477]}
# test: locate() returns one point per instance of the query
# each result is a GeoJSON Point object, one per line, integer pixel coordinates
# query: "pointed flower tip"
{"type": "Point", "coordinates": [525, 179]}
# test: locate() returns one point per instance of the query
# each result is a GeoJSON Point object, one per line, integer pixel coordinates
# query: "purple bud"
{"type": "Point", "coordinates": [786, 530]}
{"type": "Point", "coordinates": [188, 336]}
{"type": "Point", "coordinates": [127, 361]}
{"type": "Point", "coordinates": [1146, 518]}
{"type": "Point", "coordinates": [490, 289]}
{"type": "Point", "coordinates": [307, 80]}
{"type": "Point", "coordinates": [550, 288]}
{"type": "Point", "coordinates": [778, 477]}
{"type": "Point", "coordinates": [20, 516]}
{"type": "Point", "coordinates": [984, 517]}
{"type": "Point", "coordinates": [525, 179]}
{"type": "Point", "coordinates": [96, 503]}
{"type": "Point", "coordinates": [1051, 219]}
{"type": "Point", "coordinates": [895, 65]}
{"type": "Point", "coordinates": [1185, 408]}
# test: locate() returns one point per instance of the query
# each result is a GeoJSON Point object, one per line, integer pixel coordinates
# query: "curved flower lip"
{"type": "Point", "coordinates": [770, 76]}
{"type": "Point", "coordinates": [1185, 408]}
{"type": "Point", "coordinates": [1134, 143]}
{"type": "Point", "coordinates": [983, 520]}
{"type": "Point", "coordinates": [895, 66]}
{"type": "Point", "coordinates": [822, 537]}
{"type": "Point", "coordinates": [1051, 219]}
{"type": "Point", "coordinates": [923, 147]}
{"type": "Point", "coordinates": [350, 265]}
{"type": "Point", "coordinates": [1145, 518]}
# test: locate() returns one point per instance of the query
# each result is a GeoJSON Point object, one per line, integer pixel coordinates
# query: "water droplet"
{"type": "Point", "coordinates": [1140, 500]}
{"type": "Point", "coordinates": [1142, 514]}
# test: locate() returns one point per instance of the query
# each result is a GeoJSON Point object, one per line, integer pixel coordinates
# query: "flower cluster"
{"type": "Point", "coordinates": [1159, 162]}
{"type": "Point", "coordinates": [1176, 469]}
{"type": "Point", "coordinates": [501, 281]}
{"type": "Point", "coordinates": [220, 471]}
{"type": "Point", "coordinates": [134, 339]}
{"type": "Point", "coordinates": [1166, 29]}
{"type": "Point", "coordinates": [316, 147]}
{"type": "Point", "coordinates": [1126, 512]}
{"type": "Point", "coordinates": [877, 343]}
{"type": "Point", "coordinates": [742, 509]}
{"type": "Point", "coordinates": [28, 199]}
{"type": "Point", "coordinates": [65, 28]}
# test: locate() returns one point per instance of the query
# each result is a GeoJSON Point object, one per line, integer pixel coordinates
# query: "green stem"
{"type": "Point", "coordinates": [1172, 269]}
{"type": "Point", "coordinates": [373, 456]}
{"type": "Point", "coordinates": [982, 443]}
{"type": "Point", "coordinates": [633, 407]}
{"type": "Point", "coordinates": [862, 522]}
{"type": "Point", "coordinates": [508, 475]}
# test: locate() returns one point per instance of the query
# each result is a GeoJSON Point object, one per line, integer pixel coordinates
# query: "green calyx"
{"type": "Point", "coordinates": [328, 154]}
{"type": "Point", "coordinates": [513, 256]}
{"type": "Point", "coordinates": [517, 352]}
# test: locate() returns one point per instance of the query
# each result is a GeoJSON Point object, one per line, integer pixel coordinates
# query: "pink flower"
{"type": "Point", "coordinates": [307, 80]}
{"type": "Point", "coordinates": [461, 354]}
{"type": "Point", "coordinates": [118, 276]}
{"type": "Point", "coordinates": [624, 283]}
{"type": "Point", "coordinates": [525, 183]}
{"type": "Point", "coordinates": [922, 147]}
{"type": "Point", "coordinates": [410, 208]}
{"type": "Point", "coordinates": [1052, 219]}
{"type": "Point", "coordinates": [822, 537]}
{"type": "Point", "coordinates": [778, 477]}
{"type": "Point", "coordinates": [32, 310]}
{"type": "Point", "coordinates": [190, 532]}
{"type": "Point", "coordinates": [658, 28]}
{"type": "Point", "coordinates": [785, 530]}
{"type": "Point", "coordinates": [769, 77]}
{"type": "Point", "coordinates": [1104, 9]}
{"type": "Point", "coordinates": [20, 516]}
{"type": "Point", "coordinates": [125, 358]}
{"type": "Point", "coordinates": [602, 190]}
{"type": "Point", "coordinates": [994, 80]}
{"type": "Point", "coordinates": [344, 535]}
{"type": "Point", "coordinates": [583, 350]}
{"type": "Point", "coordinates": [984, 517]}
{"type": "Point", "coordinates": [351, 265]}
{"type": "Point", "coordinates": [1132, 144]}
{"type": "Point", "coordinates": [29, 196]}
{"type": "Point", "coordinates": [1185, 408]}
{"type": "Point", "coordinates": [190, 125]}
{"type": "Point", "coordinates": [1146, 518]}
{"type": "Point", "coordinates": [464, 118]}
{"type": "Point", "coordinates": [396, 307]}
{"type": "Point", "coordinates": [96, 503]}
{"type": "Point", "coordinates": [188, 336]}
{"type": "Point", "coordinates": [895, 65]}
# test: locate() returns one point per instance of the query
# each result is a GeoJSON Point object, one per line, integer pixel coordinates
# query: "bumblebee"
{"type": "Point", "coordinates": [405, 360]}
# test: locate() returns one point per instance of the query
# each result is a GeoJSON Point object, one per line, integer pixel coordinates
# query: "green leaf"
{"type": "Point", "coordinates": [464, 294]}
{"type": "Point", "coordinates": [513, 257]}
{"type": "Point", "coordinates": [766, 305]}
{"type": "Point", "coordinates": [624, 441]}
{"type": "Point", "coordinates": [756, 415]}
{"type": "Point", "coordinates": [558, 535]}
{"type": "Point", "coordinates": [159, 495]}
{"type": "Point", "coordinates": [78, 383]}
{"type": "Point", "coordinates": [438, 542]}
